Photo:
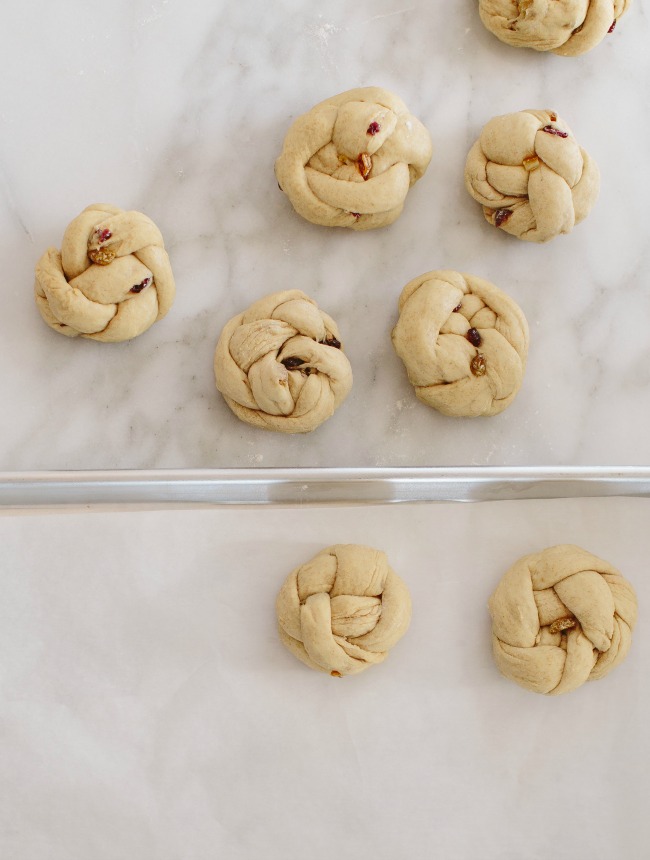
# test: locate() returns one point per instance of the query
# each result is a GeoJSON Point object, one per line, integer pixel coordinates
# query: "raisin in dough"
{"type": "Point", "coordinates": [566, 27]}
{"type": "Point", "coordinates": [530, 175]}
{"type": "Point", "coordinates": [463, 341]}
{"type": "Point", "coordinates": [344, 610]}
{"type": "Point", "coordinates": [280, 364]}
{"type": "Point", "coordinates": [351, 160]}
{"type": "Point", "coordinates": [111, 280]}
{"type": "Point", "coordinates": [561, 617]}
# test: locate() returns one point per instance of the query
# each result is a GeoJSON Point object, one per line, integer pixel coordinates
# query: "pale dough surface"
{"type": "Point", "coordinates": [280, 364]}
{"type": "Point", "coordinates": [561, 617]}
{"type": "Point", "coordinates": [351, 160]}
{"type": "Point", "coordinates": [111, 280]}
{"type": "Point", "coordinates": [566, 27]}
{"type": "Point", "coordinates": [344, 610]}
{"type": "Point", "coordinates": [530, 175]}
{"type": "Point", "coordinates": [438, 311]}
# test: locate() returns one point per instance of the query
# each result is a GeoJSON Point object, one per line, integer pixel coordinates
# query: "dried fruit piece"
{"type": "Point", "coordinates": [373, 128]}
{"type": "Point", "coordinates": [356, 215]}
{"type": "Point", "coordinates": [137, 288]}
{"type": "Point", "coordinates": [335, 674]}
{"type": "Point", "coordinates": [553, 116]}
{"type": "Point", "coordinates": [501, 216]}
{"type": "Point", "coordinates": [562, 624]}
{"type": "Point", "coordinates": [531, 163]}
{"type": "Point", "coordinates": [332, 341]}
{"type": "Point", "coordinates": [577, 29]}
{"type": "Point", "coordinates": [611, 29]}
{"type": "Point", "coordinates": [457, 308]}
{"type": "Point", "coordinates": [293, 362]}
{"type": "Point", "coordinates": [550, 129]}
{"type": "Point", "coordinates": [478, 365]}
{"type": "Point", "coordinates": [365, 164]}
{"type": "Point", "coordinates": [102, 256]}
{"type": "Point", "coordinates": [474, 337]}
{"type": "Point", "coordinates": [103, 235]}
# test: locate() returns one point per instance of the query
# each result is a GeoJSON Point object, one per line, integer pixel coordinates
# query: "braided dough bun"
{"type": "Point", "coordinates": [351, 160]}
{"type": "Point", "coordinates": [280, 364]}
{"type": "Point", "coordinates": [566, 27]}
{"type": "Point", "coordinates": [559, 618]}
{"type": "Point", "coordinates": [343, 610]}
{"type": "Point", "coordinates": [111, 280]}
{"type": "Point", "coordinates": [530, 175]}
{"type": "Point", "coordinates": [463, 341]}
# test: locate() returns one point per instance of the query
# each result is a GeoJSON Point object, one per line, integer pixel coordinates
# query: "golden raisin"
{"type": "Point", "coordinates": [562, 624]}
{"type": "Point", "coordinates": [365, 164]}
{"type": "Point", "coordinates": [478, 365]}
{"type": "Point", "coordinates": [102, 256]}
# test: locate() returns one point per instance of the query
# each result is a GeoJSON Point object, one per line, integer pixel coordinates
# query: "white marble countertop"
{"type": "Point", "coordinates": [179, 109]}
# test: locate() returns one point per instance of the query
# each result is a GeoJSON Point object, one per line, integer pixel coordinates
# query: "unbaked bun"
{"type": "Point", "coordinates": [280, 365]}
{"type": "Point", "coordinates": [463, 341]}
{"type": "Point", "coordinates": [351, 160]}
{"type": "Point", "coordinates": [530, 175]}
{"type": "Point", "coordinates": [344, 610]}
{"type": "Point", "coordinates": [566, 27]}
{"type": "Point", "coordinates": [561, 617]}
{"type": "Point", "coordinates": [111, 280]}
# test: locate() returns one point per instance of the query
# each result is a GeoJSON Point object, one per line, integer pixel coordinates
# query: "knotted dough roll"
{"type": "Point", "coordinates": [280, 364]}
{"type": "Point", "coordinates": [530, 175]}
{"type": "Point", "coordinates": [561, 617]}
{"type": "Point", "coordinates": [344, 610]}
{"type": "Point", "coordinates": [463, 341]}
{"type": "Point", "coordinates": [351, 160]}
{"type": "Point", "coordinates": [111, 280]}
{"type": "Point", "coordinates": [566, 27]}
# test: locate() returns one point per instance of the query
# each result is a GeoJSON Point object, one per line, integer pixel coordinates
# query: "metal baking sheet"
{"type": "Point", "coordinates": [149, 710]}
{"type": "Point", "coordinates": [316, 486]}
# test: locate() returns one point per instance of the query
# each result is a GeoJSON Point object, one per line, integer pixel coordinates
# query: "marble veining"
{"type": "Point", "coordinates": [179, 109]}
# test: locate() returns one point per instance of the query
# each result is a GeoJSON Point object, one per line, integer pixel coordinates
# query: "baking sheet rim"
{"type": "Point", "coordinates": [322, 486]}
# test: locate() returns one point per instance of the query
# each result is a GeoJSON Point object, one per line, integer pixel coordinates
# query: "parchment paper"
{"type": "Point", "coordinates": [148, 710]}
